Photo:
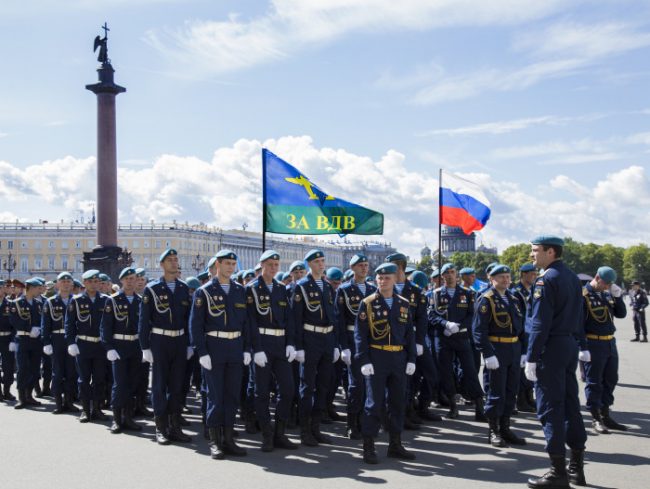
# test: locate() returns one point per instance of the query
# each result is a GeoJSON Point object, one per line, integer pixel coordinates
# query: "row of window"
{"type": "Point", "coordinates": [37, 245]}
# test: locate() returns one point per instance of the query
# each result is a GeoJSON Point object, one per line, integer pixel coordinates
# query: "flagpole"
{"type": "Point", "coordinates": [439, 220]}
{"type": "Point", "coordinates": [263, 203]}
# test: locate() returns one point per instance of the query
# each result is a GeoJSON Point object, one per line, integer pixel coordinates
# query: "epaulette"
{"type": "Point", "coordinates": [403, 299]}
{"type": "Point", "coordinates": [488, 293]}
{"type": "Point", "coordinates": [585, 292]}
{"type": "Point", "coordinates": [77, 296]}
{"type": "Point", "coordinates": [542, 273]}
{"type": "Point", "coordinates": [437, 290]}
{"type": "Point", "coordinates": [370, 298]}
{"type": "Point", "coordinates": [115, 294]}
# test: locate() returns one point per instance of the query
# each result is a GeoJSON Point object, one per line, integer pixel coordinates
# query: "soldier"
{"type": "Point", "coordinates": [143, 372]}
{"type": "Point", "coordinates": [272, 338]}
{"type": "Point", "coordinates": [385, 347]}
{"type": "Point", "coordinates": [498, 329]}
{"type": "Point", "coordinates": [64, 378]}
{"type": "Point", "coordinates": [524, 288]}
{"type": "Point", "coordinates": [639, 301]}
{"type": "Point", "coordinates": [467, 277]}
{"type": "Point", "coordinates": [162, 331]}
{"type": "Point", "coordinates": [348, 298]}
{"type": "Point", "coordinates": [7, 345]}
{"type": "Point", "coordinates": [316, 343]}
{"type": "Point", "coordinates": [119, 334]}
{"type": "Point", "coordinates": [551, 362]}
{"type": "Point", "coordinates": [25, 317]}
{"type": "Point", "coordinates": [203, 277]}
{"type": "Point", "coordinates": [219, 334]}
{"type": "Point", "coordinates": [297, 271]}
{"type": "Point", "coordinates": [334, 277]}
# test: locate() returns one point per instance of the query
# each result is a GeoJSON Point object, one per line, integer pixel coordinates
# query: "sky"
{"type": "Point", "coordinates": [544, 104]}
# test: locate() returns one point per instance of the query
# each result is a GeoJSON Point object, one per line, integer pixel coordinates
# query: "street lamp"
{"type": "Point", "coordinates": [9, 264]}
{"type": "Point", "coordinates": [197, 263]}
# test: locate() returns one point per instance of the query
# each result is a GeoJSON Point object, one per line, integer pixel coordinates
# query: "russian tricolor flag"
{"type": "Point", "coordinates": [462, 203]}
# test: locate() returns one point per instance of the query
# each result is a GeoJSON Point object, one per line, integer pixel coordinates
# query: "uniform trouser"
{"type": "Point", "coordinates": [316, 373]}
{"type": "Point", "coordinates": [168, 372]}
{"type": "Point", "coordinates": [639, 323]}
{"type": "Point", "coordinates": [192, 369]}
{"type": "Point", "coordinates": [426, 381]}
{"type": "Point", "coordinates": [28, 358]}
{"type": "Point", "coordinates": [504, 381]}
{"type": "Point", "coordinates": [279, 369]}
{"type": "Point", "coordinates": [142, 379]}
{"type": "Point", "coordinates": [64, 370]}
{"type": "Point", "coordinates": [8, 361]}
{"type": "Point", "coordinates": [125, 375]}
{"type": "Point", "coordinates": [389, 379]}
{"type": "Point", "coordinates": [459, 346]}
{"type": "Point", "coordinates": [356, 388]}
{"type": "Point", "coordinates": [223, 383]}
{"type": "Point", "coordinates": [556, 390]}
{"type": "Point", "coordinates": [91, 369]}
{"type": "Point", "coordinates": [248, 390]}
{"type": "Point", "coordinates": [335, 381]}
{"type": "Point", "coordinates": [46, 367]}
{"type": "Point", "coordinates": [601, 373]}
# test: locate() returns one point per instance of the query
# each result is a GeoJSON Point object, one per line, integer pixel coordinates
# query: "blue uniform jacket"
{"type": "Point", "coordinates": [418, 306]}
{"type": "Point", "coordinates": [83, 316]}
{"type": "Point", "coordinates": [495, 317]}
{"type": "Point", "coordinates": [459, 309]}
{"type": "Point", "coordinates": [5, 320]}
{"type": "Point", "coordinates": [376, 324]}
{"type": "Point", "coordinates": [53, 317]}
{"type": "Point", "coordinates": [599, 310]}
{"type": "Point", "coordinates": [638, 300]}
{"type": "Point", "coordinates": [557, 308]}
{"type": "Point", "coordinates": [160, 308]}
{"type": "Point", "coordinates": [270, 310]}
{"type": "Point", "coordinates": [120, 317]}
{"type": "Point", "coordinates": [346, 307]}
{"type": "Point", "coordinates": [312, 306]}
{"type": "Point", "coordinates": [23, 315]}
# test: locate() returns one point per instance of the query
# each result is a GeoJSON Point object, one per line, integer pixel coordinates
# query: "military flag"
{"type": "Point", "coordinates": [462, 203]}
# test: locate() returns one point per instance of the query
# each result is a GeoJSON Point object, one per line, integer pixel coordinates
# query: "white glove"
{"type": "Point", "coordinates": [300, 356]}
{"type": "Point", "coordinates": [48, 350]}
{"type": "Point", "coordinates": [337, 355]}
{"type": "Point", "coordinates": [12, 346]}
{"type": "Point", "coordinates": [419, 349]}
{"type": "Point", "coordinates": [367, 370]}
{"type": "Point", "coordinates": [190, 352]}
{"type": "Point", "coordinates": [530, 371]}
{"type": "Point", "coordinates": [112, 355]}
{"type": "Point", "coordinates": [291, 353]}
{"type": "Point", "coordinates": [446, 332]}
{"type": "Point", "coordinates": [35, 332]}
{"type": "Point", "coordinates": [453, 327]}
{"type": "Point", "coordinates": [206, 362]}
{"type": "Point", "coordinates": [522, 361]}
{"type": "Point", "coordinates": [584, 356]}
{"type": "Point", "coordinates": [260, 359]}
{"type": "Point", "coordinates": [147, 356]}
{"type": "Point", "coordinates": [410, 368]}
{"type": "Point", "coordinates": [247, 358]}
{"type": "Point", "coordinates": [346, 356]}
{"type": "Point", "coordinates": [73, 350]}
{"type": "Point", "coordinates": [492, 363]}
{"type": "Point", "coordinates": [615, 290]}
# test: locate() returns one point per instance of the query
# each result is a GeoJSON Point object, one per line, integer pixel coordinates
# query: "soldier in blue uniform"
{"type": "Point", "coordinates": [64, 378]}
{"type": "Point", "coordinates": [219, 334]}
{"type": "Point", "coordinates": [639, 302]}
{"type": "Point", "coordinates": [316, 344]}
{"type": "Point", "coordinates": [348, 298]}
{"type": "Point", "coordinates": [25, 317]}
{"type": "Point", "coordinates": [498, 329]}
{"type": "Point", "coordinates": [7, 346]}
{"type": "Point", "coordinates": [297, 270]}
{"type": "Point", "coordinates": [119, 334]}
{"type": "Point", "coordinates": [603, 302]}
{"type": "Point", "coordinates": [143, 372]}
{"type": "Point", "coordinates": [552, 357]}
{"type": "Point", "coordinates": [384, 339]}
{"type": "Point", "coordinates": [524, 290]}
{"type": "Point", "coordinates": [450, 315]}
{"type": "Point", "coordinates": [162, 331]}
{"type": "Point", "coordinates": [272, 339]}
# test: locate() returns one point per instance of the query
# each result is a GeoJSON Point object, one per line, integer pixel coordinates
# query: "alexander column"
{"type": "Point", "coordinates": [107, 256]}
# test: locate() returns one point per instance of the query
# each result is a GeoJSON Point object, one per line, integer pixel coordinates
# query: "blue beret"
{"type": "Point", "coordinates": [77, 283]}
{"type": "Point", "coordinates": [2, 282]}
{"type": "Point", "coordinates": [420, 279]}
{"type": "Point", "coordinates": [498, 268]}
{"type": "Point", "coordinates": [89, 274]}
{"type": "Point", "coordinates": [527, 267]}
{"type": "Point", "coordinates": [279, 276]}
{"type": "Point", "coordinates": [369, 278]}
{"type": "Point", "coordinates": [435, 273]}
{"type": "Point", "coordinates": [313, 254]}
{"type": "Point", "coordinates": [408, 270]}
{"type": "Point", "coordinates": [203, 276]}
{"type": "Point", "coordinates": [636, 282]}
{"type": "Point", "coordinates": [104, 278]}
{"type": "Point", "coordinates": [348, 275]}
{"type": "Point", "coordinates": [140, 272]}
{"type": "Point", "coordinates": [358, 258]}
{"type": "Point", "coordinates": [193, 282]}
{"type": "Point", "coordinates": [64, 276]}
{"type": "Point", "coordinates": [490, 266]}
{"type": "Point", "coordinates": [257, 267]}
{"type": "Point", "coordinates": [607, 274]}
{"type": "Point", "coordinates": [166, 253]}
{"type": "Point", "coordinates": [395, 257]}
{"type": "Point", "coordinates": [211, 263]}
{"type": "Point", "coordinates": [334, 273]}
{"type": "Point", "coordinates": [547, 240]}
{"type": "Point", "coordinates": [386, 268]}
{"type": "Point", "coordinates": [297, 265]}
{"type": "Point", "coordinates": [41, 280]}
{"type": "Point", "coordinates": [467, 271]}
{"type": "Point", "coordinates": [126, 272]}
{"type": "Point", "coordinates": [269, 255]}
{"type": "Point", "coordinates": [226, 255]}
{"type": "Point", "coordinates": [248, 273]}
{"type": "Point", "coordinates": [446, 267]}
{"type": "Point", "coordinates": [33, 282]}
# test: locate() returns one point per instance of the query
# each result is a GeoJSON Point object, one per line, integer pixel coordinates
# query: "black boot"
{"type": "Point", "coordinates": [97, 414]}
{"type": "Point", "coordinates": [353, 427]}
{"type": "Point", "coordinates": [522, 403]}
{"type": "Point", "coordinates": [293, 417]}
{"type": "Point", "coordinates": [116, 426]}
{"type": "Point", "coordinates": [576, 468]}
{"type": "Point", "coordinates": [315, 430]}
{"type": "Point", "coordinates": [267, 437]}
{"type": "Point", "coordinates": [21, 404]}
{"type": "Point", "coordinates": [29, 399]}
{"type": "Point", "coordinates": [331, 412]}
{"type": "Point", "coordinates": [369, 453]}
{"type": "Point", "coordinates": [280, 439]}
{"type": "Point", "coordinates": [609, 421]}
{"type": "Point", "coordinates": [425, 414]}
{"type": "Point", "coordinates": [396, 449]}
{"type": "Point", "coordinates": [636, 338]}
{"type": "Point", "coordinates": [215, 435]}
{"type": "Point", "coordinates": [453, 409]}
{"type": "Point", "coordinates": [85, 412]}
{"type": "Point", "coordinates": [58, 400]}
{"type": "Point", "coordinates": [47, 388]}
{"type": "Point", "coordinates": [556, 478]}
{"type": "Point", "coordinates": [645, 339]}
{"type": "Point", "coordinates": [37, 389]}
{"type": "Point", "coordinates": [6, 393]}
{"type": "Point", "coordinates": [250, 424]}
{"type": "Point", "coordinates": [141, 407]}
{"type": "Point", "coordinates": [229, 445]}
{"type": "Point", "coordinates": [306, 436]}
{"type": "Point", "coordinates": [530, 396]}
{"type": "Point", "coordinates": [127, 419]}
{"type": "Point", "coordinates": [597, 423]}
{"type": "Point", "coordinates": [507, 435]}
{"type": "Point", "coordinates": [175, 431]}
{"type": "Point", "coordinates": [494, 433]}
{"type": "Point", "coordinates": [412, 415]}
{"type": "Point", "coordinates": [479, 411]}
{"type": "Point", "coordinates": [162, 430]}
{"type": "Point", "coordinates": [68, 404]}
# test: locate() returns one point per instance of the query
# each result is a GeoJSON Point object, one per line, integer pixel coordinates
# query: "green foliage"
{"type": "Point", "coordinates": [426, 265]}
{"type": "Point", "coordinates": [636, 264]}
{"type": "Point", "coordinates": [478, 261]}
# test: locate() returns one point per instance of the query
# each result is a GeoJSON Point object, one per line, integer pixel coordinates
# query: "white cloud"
{"type": "Point", "coordinates": [580, 147]}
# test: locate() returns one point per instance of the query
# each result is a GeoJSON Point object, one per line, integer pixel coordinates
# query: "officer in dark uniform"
{"type": "Point", "coordinates": [272, 339]}
{"type": "Point", "coordinates": [119, 334]}
{"type": "Point", "coordinates": [524, 290]}
{"type": "Point", "coordinates": [143, 372]}
{"type": "Point", "coordinates": [348, 298]}
{"type": "Point", "coordinates": [639, 302]}
{"type": "Point", "coordinates": [602, 302]}
{"type": "Point", "coordinates": [498, 329]}
{"type": "Point", "coordinates": [450, 315]}
{"type": "Point", "coordinates": [552, 358]}
{"type": "Point", "coordinates": [45, 371]}
{"type": "Point", "coordinates": [162, 331]}
{"type": "Point", "coordinates": [64, 378]}
{"type": "Point", "coordinates": [25, 317]}
{"type": "Point", "coordinates": [297, 270]}
{"type": "Point", "coordinates": [7, 345]}
{"type": "Point", "coordinates": [316, 344]}
{"type": "Point", "coordinates": [219, 334]}
{"type": "Point", "coordinates": [384, 339]}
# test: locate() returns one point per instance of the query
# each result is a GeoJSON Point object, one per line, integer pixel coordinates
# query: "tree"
{"type": "Point", "coordinates": [636, 264]}
{"type": "Point", "coordinates": [426, 265]}
{"type": "Point", "coordinates": [515, 256]}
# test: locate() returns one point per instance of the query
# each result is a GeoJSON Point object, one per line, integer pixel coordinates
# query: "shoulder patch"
{"type": "Point", "coordinates": [296, 297]}
{"type": "Point", "coordinates": [108, 309]}
{"type": "Point", "coordinates": [145, 299]}
{"type": "Point", "coordinates": [198, 302]}
{"type": "Point", "coordinates": [484, 309]}
{"type": "Point", "coordinates": [362, 315]}
{"type": "Point", "coordinates": [538, 293]}
{"type": "Point", "coordinates": [489, 293]}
